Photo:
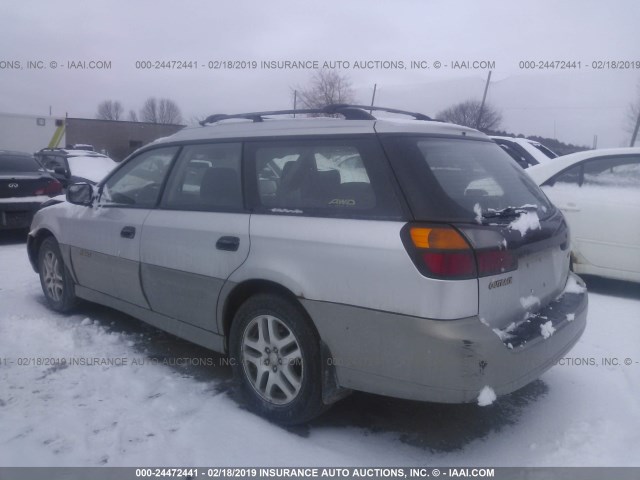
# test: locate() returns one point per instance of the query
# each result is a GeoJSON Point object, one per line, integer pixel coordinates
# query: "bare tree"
{"type": "Point", "coordinates": [149, 111]}
{"type": "Point", "coordinates": [133, 116]}
{"type": "Point", "coordinates": [466, 113]}
{"type": "Point", "coordinates": [169, 112]}
{"type": "Point", "coordinates": [110, 110]}
{"type": "Point", "coordinates": [633, 117]}
{"type": "Point", "coordinates": [160, 111]}
{"type": "Point", "coordinates": [326, 87]}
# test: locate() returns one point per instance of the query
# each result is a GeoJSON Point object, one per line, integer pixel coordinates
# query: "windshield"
{"type": "Point", "coordinates": [464, 180]}
{"type": "Point", "coordinates": [92, 168]}
{"type": "Point", "coordinates": [18, 164]}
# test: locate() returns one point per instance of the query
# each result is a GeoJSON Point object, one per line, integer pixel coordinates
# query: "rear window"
{"type": "Point", "coordinates": [450, 179]}
{"type": "Point", "coordinates": [18, 163]}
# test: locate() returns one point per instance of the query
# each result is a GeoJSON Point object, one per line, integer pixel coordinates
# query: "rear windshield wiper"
{"type": "Point", "coordinates": [508, 212]}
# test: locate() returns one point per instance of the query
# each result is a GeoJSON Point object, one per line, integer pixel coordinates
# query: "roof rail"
{"type": "Point", "coordinates": [349, 112]}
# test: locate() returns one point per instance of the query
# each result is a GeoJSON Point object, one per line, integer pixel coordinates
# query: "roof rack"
{"type": "Point", "coordinates": [349, 112]}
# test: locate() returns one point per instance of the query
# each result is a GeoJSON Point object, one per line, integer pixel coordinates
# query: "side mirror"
{"type": "Point", "coordinates": [61, 171]}
{"type": "Point", "coordinates": [80, 194]}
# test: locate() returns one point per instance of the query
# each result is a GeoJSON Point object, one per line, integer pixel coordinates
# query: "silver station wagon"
{"type": "Point", "coordinates": [403, 257]}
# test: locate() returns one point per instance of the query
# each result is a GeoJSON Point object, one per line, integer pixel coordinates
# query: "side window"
{"type": "Point", "coordinates": [336, 178]}
{"type": "Point", "coordinates": [51, 162]}
{"type": "Point", "coordinates": [138, 182]}
{"type": "Point", "coordinates": [613, 172]}
{"type": "Point", "coordinates": [206, 177]}
{"type": "Point", "coordinates": [571, 176]}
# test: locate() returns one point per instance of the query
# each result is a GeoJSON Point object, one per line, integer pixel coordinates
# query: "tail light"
{"type": "Point", "coordinates": [443, 252]}
{"type": "Point", "coordinates": [51, 189]}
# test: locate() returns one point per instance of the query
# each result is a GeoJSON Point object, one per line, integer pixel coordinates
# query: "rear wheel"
{"type": "Point", "coordinates": [55, 279]}
{"type": "Point", "coordinates": [276, 359]}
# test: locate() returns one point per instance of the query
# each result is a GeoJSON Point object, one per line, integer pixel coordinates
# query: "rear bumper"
{"type": "Point", "coordinates": [443, 361]}
{"type": "Point", "coordinates": [17, 215]}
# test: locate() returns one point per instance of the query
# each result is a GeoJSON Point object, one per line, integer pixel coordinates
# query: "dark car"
{"type": "Point", "coordinates": [24, 186]}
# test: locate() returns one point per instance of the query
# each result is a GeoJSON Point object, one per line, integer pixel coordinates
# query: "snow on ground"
{"type": "Point", "coordinates": [578, 414]}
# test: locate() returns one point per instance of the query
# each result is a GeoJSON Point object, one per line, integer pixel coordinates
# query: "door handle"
{"type": "Point", "coordinates": [128, 232]}
{"type": "Point", "coordinates": [570, 207]}
{"type": "Point", "coordinates": [229, 244]}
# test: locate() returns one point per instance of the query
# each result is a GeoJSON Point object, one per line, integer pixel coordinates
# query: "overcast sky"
{"type": "Point", "coordinates": [573, 105]}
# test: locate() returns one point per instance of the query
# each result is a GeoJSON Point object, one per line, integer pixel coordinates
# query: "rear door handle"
{"type": "Point", "coordinates": [229, 244]}
{"type": "Point", "coordinates": [570, 207]}
{"type": "Point", "coordinates": [128, 232]}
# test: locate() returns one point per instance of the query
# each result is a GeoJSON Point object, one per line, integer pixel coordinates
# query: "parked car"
{"type": "Point", "coordinates": [24, 185]}
{"type": "Point", "coordinates": [71, 166]}
{"type": "Point", "coordinates": [436, 270]}
{"type": "Point", "coordinates": [599, 193]}
{"type": "Point", "coordinates": [524, 151]}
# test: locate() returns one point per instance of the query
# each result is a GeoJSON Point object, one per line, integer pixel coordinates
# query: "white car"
{"type": "Point", "coordinates": [599, 193]}
{"type": "Point", "coordinates": [524, 151]}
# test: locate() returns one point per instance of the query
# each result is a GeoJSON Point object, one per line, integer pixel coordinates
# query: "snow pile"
{"type": "Point", "coordinates": [526, 221]}
{"type": "Point", "coordinates": [573, 286]}
{"type": "Point", "coordinates": [529, 302]}
{"type": "Point", "coordinates": [477, 209]}
{"type": "Point", "coordinates": [502, 334]}
{"type": "Point", "coordinates": [547, 329]}
{"type": "Point", "coordinates": [487, 396]}
{"type": "Point", "coordinates": [92, 168]}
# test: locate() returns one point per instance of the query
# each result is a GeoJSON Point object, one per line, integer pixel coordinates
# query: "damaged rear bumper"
{"type": "Point", "coordinates": [444, 361]}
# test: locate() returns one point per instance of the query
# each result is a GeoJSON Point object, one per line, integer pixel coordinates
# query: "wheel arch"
{"type": "Point", "coordinates": [34, 241]}
{"type": "Point", "coordinates": [234, 295]}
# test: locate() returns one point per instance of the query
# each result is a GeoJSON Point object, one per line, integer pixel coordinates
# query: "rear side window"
{"type": "Point", "coordinates": [51, 162]}
{"type": "Point", "coordinates": [206, 177]}
{"type": "Point", "coordinates": [620, 171]}
{"type": "Point", "coordinates": [613, 172]}
{"type": "Point", "coordinates": [450, 179]}
{"type": "Point", "coordinates": [324, 177]}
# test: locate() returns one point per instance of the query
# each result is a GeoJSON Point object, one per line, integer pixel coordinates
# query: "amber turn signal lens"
{"type": "Point", "coordinates": [441, 238]}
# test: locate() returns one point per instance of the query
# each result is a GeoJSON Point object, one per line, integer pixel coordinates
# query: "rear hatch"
{"type": "Point", "coordinates": [517, 240]}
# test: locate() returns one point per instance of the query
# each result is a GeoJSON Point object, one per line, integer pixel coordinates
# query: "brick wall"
{"type": "Point", "coordinates": [117, 138]}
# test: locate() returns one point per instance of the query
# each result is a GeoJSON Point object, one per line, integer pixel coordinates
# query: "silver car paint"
{"type": "Point", "coordinates": [390, 330]}
{"type": "Point", "coordinates": [353, 262]}
{"type": "Point", "coordinates": [540, 277]}
{"type": "Point", "coordinates": [434, 360]}
{"type": "Point", "coordinates": [182, 270]}
{"type": "Point", "coordinates": [103, 260]}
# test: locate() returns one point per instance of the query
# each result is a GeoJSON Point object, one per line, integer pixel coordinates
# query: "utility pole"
{"type": "Point", "coordinates": [484, 97]}
{"type": "Point", "coordinates": [595, 142]}
{"type": "Point", "coordinates": [373, 97]}
{"type": "Point", "coordinates": [635, 130]}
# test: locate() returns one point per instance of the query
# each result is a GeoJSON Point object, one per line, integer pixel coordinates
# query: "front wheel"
{"type": "Point", "coordinates": [55, 279]}
{"type": "Point", "coordinates": [276, 359]}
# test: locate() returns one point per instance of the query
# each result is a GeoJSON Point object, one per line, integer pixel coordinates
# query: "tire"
{"type": "Point", "coordinates": [282, 385]}
{"type": "Point", "coordinates": [55, 278]}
